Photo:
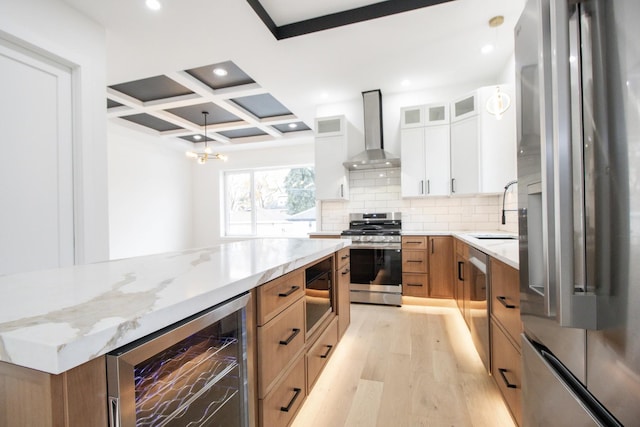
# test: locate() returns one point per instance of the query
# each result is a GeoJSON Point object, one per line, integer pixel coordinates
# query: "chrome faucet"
{"type": "Point", "coordinates": [504, 196]}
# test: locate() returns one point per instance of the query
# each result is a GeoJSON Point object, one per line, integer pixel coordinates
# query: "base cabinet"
{"type": "Point", "coordinates": [427, 266]}
{"type": "Point", "coordinates": [506, 328]}
{"type": "Point", "coordinates": [77, 397]}
{"type": "Point", "coordinates": [298, 329]}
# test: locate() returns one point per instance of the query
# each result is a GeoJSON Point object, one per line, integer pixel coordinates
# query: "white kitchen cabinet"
{"type": "Point", "coordinates": [331, 145]}
{"type": "Point", "coordinates": [483, 148]}
{"type": "Point", "coordinates": [425, 153]}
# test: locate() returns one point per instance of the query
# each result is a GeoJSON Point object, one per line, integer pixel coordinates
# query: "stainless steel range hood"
{"type": "Point", "coordinates": [374, 156]}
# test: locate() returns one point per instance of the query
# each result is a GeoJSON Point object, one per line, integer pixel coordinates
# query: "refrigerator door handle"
{"type": "Point", "coordinates": [571, 62]}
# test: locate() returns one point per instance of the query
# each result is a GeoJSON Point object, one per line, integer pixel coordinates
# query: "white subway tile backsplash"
{"type": "Point", "coordinates": [371, 192]}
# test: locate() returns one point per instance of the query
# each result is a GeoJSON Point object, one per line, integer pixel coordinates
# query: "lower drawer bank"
{"type": "Point", "coordinates": [294, 342]}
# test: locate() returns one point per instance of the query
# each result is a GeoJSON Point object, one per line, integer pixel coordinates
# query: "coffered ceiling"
{"type": "Point", "coordinates": [419, 49]}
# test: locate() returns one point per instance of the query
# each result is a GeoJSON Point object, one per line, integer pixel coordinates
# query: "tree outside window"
{"type": "Point", "coordinates": [270, 202]}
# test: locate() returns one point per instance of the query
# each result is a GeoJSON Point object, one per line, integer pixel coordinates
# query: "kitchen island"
{"type": "Point", "coordinates": [58, 321]}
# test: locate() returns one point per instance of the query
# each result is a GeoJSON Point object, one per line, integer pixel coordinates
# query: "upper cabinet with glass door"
{"type": "Point", "coordinates": [331, 148]}
{"type": "Point", "coordinates": [424, 115]}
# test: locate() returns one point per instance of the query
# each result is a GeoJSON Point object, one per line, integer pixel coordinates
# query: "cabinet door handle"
{"type": "Point", "coordinates": [289, 292]}
{"type": "Point", "coordinates": [504, 378]}
{"type": "Point", "coordinates": [329, 348]}
{"type": "Point", "coordinates": [296, 393]}
{"type": "Point", "coordinates": [414, 284]}
{"type": "Point", "coordinates": [453, 185]}
{"type": "Point", "coordinates": [421, 186]}
{"type": "Point", "coordinates": [460, 270]}
{"type": "Point", "coordinates": [503, 301]}
{"type": "Point", "coordinates": [296, 331]}
{"type": "Point", "coordinates": [432, 248]}
{"type": "Point", "coordinates": [347, 271]}
{"type": "Point", "coordinates": [341, 190]}
{"type": "Point", "coordinates": [428, 186]}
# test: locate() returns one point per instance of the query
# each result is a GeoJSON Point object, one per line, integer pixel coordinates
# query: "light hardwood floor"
{"type": "Point", "coordinates": [409, 366]}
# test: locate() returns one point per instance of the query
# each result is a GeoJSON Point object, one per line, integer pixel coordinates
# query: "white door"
{"type": "Point", "coordinates": [36, 176]}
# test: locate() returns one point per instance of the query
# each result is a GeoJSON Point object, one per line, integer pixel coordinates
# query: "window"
{"type": "Point", "coordinates": [270, 202]}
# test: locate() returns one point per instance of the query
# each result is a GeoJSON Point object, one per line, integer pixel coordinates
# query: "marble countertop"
{"type": "Point", "coordinates": [55, 320]}
{"type": "Point", "coordinates": [506, 251]}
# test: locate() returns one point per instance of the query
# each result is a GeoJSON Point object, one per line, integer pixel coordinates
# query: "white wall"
{"type": "Point", "coordinates": [150, 197]}
{"type": "Point", "coordinates": [207, 196]}
{"type": "Point", "coordinates": [57, 31]}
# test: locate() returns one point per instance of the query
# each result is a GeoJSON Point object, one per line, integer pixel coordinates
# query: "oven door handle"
{"type": "Point", "coordinates": [383, 246]}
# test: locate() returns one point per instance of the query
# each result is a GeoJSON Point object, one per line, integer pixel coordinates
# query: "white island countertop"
{"type": "Point", "coordinates": [55, 320]}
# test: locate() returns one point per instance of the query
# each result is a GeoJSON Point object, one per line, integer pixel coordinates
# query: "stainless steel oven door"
{"type": "Point", "coordinates": [376, 274]}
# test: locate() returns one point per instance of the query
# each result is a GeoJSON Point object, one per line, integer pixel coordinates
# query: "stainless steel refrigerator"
{"type": "Point", "coordinates": [578, 93]}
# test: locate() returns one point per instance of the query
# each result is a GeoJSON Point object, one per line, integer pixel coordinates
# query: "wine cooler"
{"type": "Point", "coordinates": [191, 374]}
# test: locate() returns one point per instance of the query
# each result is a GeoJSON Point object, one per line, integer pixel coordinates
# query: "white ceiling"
{"type": "Point", "coordinates": [432, 47]}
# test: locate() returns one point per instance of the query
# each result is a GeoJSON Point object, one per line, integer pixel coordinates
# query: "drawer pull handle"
{"type": "Point", "coordinates": [503, 301]}
{"type": "Point", "coordinates": [287, 408]}
{"type": "Point", "coordinates": [414, 284]}
{"type": "Point", "coordinates": [414, 260]}
{"type": "Point", "coordinates": [329, 348]}
{"type": "Point", "coordinates": [344, 257]}
{"type": "Point", "coordinates": [347, 271]}
{"type": "Point", "coordinates": [296, 331]}
{"type": "Point", "coordinates": [289, 292]}
{"type": "Point", "coordinates": [414, 242]}
{"type": "Point", "coordinates": [504, 378]}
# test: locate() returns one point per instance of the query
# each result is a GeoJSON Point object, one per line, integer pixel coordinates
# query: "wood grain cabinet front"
{"type": "Point", "coordinates": [279, 342]}
{"type": "Point", "coordinates": [505, 334]}
{"type": "Point", "coordinates": [343, 279]}
{"type": "Point", "coordinates": [505, 298]}
{"type": "Point", "coordinates": [415, 285]}
{"type": "Point", "coordinates": [440, 251]}
{"type": "Point", "coordinates": [278, 294]}
{"type": "Point", "coordinates": [320, 351]}
{"type": "Point", "coordinates": [505, 364]}
{"type": "Point", "coordinates": [280, 406]}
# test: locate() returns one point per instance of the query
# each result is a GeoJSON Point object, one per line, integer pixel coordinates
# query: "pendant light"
{"type": "Point", "coordinates": [498, 103]}
{"type": "Point", "coordinates": [202, 157]}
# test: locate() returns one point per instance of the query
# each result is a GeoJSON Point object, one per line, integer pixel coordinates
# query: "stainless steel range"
{"type": "Point", "coordinates": [376, 258]}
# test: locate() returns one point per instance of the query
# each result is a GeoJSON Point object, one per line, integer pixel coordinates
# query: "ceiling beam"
{"type": "Point", "coordinates": [339, 19]}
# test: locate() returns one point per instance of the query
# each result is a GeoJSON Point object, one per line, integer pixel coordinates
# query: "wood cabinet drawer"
{"type": "Point", "coordinates": [414, 261]}
{"type": "Point", "coordinates": [278, 294]}
{"type": "Point", "coordinates": [343, 257]}
{"type": "Point", "coordinates": [414, 242]}
{"type": "Point", "coordinates": [505, 298]}
{"type": "Point", "coordinates": [319, 353]}
{"type": "Point", "coordinates": [415, 285]}
{"type": "Point", "coordinates": [506, 370]}
{"type": "Point", "coordinates": [279, 342]}
{"type": "Point", "coordinates": [281, 405]}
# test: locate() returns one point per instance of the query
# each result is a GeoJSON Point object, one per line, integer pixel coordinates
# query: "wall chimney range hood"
{"type": "Point", "coordinates": [374, 156]}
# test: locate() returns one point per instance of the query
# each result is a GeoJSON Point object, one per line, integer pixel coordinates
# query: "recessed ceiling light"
{"type": "Point", "coordinates": [220, 72]}
{"type": "Point", "coordinates": [293, 125]}
{"type": "Point", "coordinates": [487, 48]}
{"type": "Point", "coordinates": [153, 4]}
{"type": "Point", "coordinates": [197, 137]}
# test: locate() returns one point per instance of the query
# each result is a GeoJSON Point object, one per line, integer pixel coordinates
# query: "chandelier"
{"type": "Point", "coordinates": [207, 154]}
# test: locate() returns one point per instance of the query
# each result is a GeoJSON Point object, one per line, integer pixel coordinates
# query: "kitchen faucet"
{"type": "Point", "coordinates": [504, 196]}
